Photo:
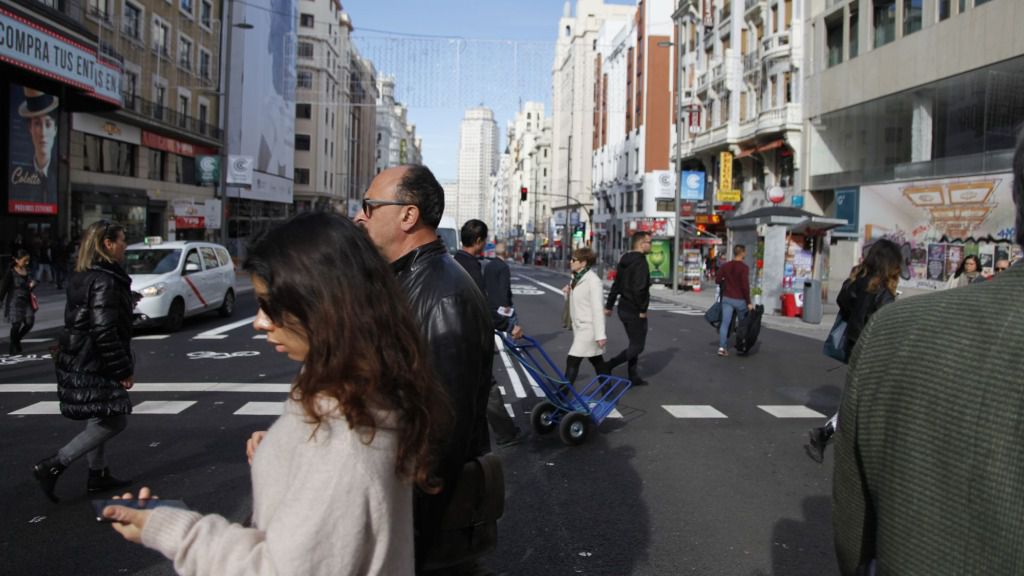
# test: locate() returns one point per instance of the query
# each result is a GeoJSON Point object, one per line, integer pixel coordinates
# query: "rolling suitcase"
{"type": "Point", "coordinates": [748, 329]}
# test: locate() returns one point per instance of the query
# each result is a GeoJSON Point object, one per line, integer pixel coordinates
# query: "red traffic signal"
{"type": "Point", "coordinates": [522, 194]}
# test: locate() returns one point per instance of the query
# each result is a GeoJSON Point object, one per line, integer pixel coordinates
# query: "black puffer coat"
{"type": "Point", "coordinates": [95, 347]}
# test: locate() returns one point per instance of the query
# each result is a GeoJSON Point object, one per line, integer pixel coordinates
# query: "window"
{"type": "Point", "coordinates": [884, 21]}
{"type": "Point", "coordinates": [306, 20]}
{"type": "Point", "coordinates": [911, 16]}
{"type": "Point", "coordinates": [161, 36]}
{"type": "Point", "coordinates": [186, 7]}
{"type": "Point", "coordinates": [100, 9]}
{"type": "Point", "coordinates": [129, 87]}
{"type": "Point", "coordinates": [185, 52]}
{"type": "Point", "coordinates": [131, 25]}
{"type": "Point", "coordinates": [205, 13]}
{"type": "Point", "coordinates": [204, 117]}
{"type": "Point", "coordinates": [302, 141]}
{"type": "Point", "coordinates": [155, 161]}
{"type": "Point", "coordinates": [160, 97]}
{"type": "Point", "coordinates": [944, 7]}
{"type": "Point", "coordinates": [854, 31]}
{"type": "Point", "coordinates": [209, 257]}
{"type": "Point", "coordinates": [303, 110]}
{"type": "Point", "coordinates": [184, 169]}
{"type": "Point", "coordinates": [205, 61]}
{"type": "Point", "coordinates": [305, 49]}
{"type": "Point", "coordinates": [183, 109]}
{"type": "Point", "coordinates": [108, 156]}
{"type": "Point", "coordinates": [304, 79]}
{"type": "Point", "coordinates": [301, 176]}
{"type": "Point", "coordinates": [834, 39]}
{"type": "Point", "coordinates": [193, 258]}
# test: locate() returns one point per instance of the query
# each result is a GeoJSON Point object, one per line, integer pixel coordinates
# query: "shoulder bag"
{"type": "Point", "coordinates": [714, 314]}
{"type": "Point", "coordinates": [835, 342]}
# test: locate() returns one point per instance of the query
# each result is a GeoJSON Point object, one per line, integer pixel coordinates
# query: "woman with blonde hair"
{"type": "Point", "coordinates": [587, 313]}
{"type": "Point", "coordinates": [333, 478]}
{"type": "Point", "coordinates": [94, 361]}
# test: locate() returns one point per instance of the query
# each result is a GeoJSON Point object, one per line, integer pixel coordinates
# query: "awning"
{"type": "Point", "coordinates": [794, 219]}
{"type": "Point", "coordinates": [771, 145]}
{"type": "Point", "coordinates": [746, 152]}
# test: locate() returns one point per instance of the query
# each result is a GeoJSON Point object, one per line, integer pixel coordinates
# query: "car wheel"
{"type": "Point", "coordinates": [175, 316]}
{"type": "Point", "coordinates": [227, 308]}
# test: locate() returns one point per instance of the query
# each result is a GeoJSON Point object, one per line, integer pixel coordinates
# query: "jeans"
{"type": "Point", "coordinates": [636, 331]}
{"type": "Point", "coordinates": [92, 440]}
{"type": "Point", "coordinates": [730, 305]}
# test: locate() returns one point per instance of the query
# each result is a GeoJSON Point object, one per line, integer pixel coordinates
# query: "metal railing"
{"type": "Point", "coordinates": [169, 117]}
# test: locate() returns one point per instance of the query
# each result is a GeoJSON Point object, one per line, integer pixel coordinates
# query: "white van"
{"type": "Point", "coordinates": [179, 279]}
{"type": "Point", "coordinates": [449, 233]}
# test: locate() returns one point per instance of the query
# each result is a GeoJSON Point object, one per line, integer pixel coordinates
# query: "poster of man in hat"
{"type": "Point", "coordinates": [33, 165]}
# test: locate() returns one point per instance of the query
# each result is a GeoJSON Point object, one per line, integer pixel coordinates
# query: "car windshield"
{"type": "Point", "coordinates": [151, 261]}
{"type": "Point", "coordinates": [449, 238]}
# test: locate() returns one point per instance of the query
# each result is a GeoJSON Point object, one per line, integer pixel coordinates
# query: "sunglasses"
{"type": "Point", "coordinates": [1001, 269]}
{"type": "Point", "coordinates": [369, 205]}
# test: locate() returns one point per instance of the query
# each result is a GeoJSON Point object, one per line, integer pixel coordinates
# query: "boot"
{"type": "Point", "coordinates": [100, 480]}
{"type": "Point", "coordinates": [47, 471]}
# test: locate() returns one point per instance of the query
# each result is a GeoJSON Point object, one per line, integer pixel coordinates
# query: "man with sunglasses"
{"type": "Point", "coordinates": [401, 212]}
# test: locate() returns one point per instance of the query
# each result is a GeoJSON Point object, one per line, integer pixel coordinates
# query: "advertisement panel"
{"type": "Point", "coordinates": [692, 185]}
{"type": "Point", "coordinates": [726, 193]}
{"type": "Point", "coordinates": [32, 164]}
{"type": "Point", "coordinates": [262, 107]}
{"type": "Point", "coordinates": [848, 208]}
{"type": "Point", "coordinates": [659, 260]}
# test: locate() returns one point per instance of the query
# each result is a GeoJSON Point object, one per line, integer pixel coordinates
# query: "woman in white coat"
{"type": "Point", "coordinates": [587, 309]}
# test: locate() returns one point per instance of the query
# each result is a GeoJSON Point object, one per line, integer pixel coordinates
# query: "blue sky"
{"type": "Point", "coordinates": [449, 55]}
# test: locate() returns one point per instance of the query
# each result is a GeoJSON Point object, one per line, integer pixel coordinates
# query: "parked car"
{"type": "Point", "coordinates": [180, 279]}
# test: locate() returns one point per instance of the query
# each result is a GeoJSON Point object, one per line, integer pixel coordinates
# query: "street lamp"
{"type": "Point", "coordinates": [679, 155]}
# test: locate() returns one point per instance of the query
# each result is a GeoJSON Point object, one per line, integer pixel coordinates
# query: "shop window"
{"type": "Point", "coordinates": [108, 156]}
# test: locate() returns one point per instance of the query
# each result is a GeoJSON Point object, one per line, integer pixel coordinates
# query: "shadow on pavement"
{"type": "Point", "coordinates": [800, 547]}
{"type": "Point", "coordinates": [587, 513]}
{"type": "Point", "coordinates": [652, 363]}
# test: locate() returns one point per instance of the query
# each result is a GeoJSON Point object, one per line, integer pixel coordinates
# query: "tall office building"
{"type": "Point", "coordinates": [478, 162]}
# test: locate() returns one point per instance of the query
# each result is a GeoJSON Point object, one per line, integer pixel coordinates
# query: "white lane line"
{"type": "Point", "coordinates": [548, 286]}
{"type": "Point", "coordinates": [152, 337]}
{"type": "Point", "coordinates": [218, 333]}
{"type": "Point", "coordinates": [36, 340]}
{"type": "Point", "coordinates": [513, 376]}
{"type": "Point", "coordinates": [791, 411]}
{"type": "Point", "coordinates": [37, 409]}
{"type": "Point", "coordinates": [168, 387]}
{"type": "Point", "coordinates": [261, 409]}
{"type": "Point", "coordinates": [162, 406]}
{"type": "Point", "coordinates": [693, 411]}
{"type": "Point", "coordinates": [260, 337]}
{"type": "Point", "coordinates": [508, 408]}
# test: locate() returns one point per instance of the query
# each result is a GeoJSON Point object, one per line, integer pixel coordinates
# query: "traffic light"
{"type": "Point", "coordinates": [522, 194]}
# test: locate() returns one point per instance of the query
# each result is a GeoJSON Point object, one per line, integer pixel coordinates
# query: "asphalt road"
{"type": "Point", "coordinates": [701, 472]}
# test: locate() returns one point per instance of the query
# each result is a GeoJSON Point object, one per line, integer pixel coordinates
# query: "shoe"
{"type": "Point", "coordinates": [517, 438]}
{"type": "Point", "coordinates": [639, 382]}
{"type": "Point", "coordinates": [47, 471]}
{"type": "Point", "coordinates": [723, 352]}
{"type": "Point", "coordinates": [817, 440]}
{"type": "Point", "coordinates": [100, 480]}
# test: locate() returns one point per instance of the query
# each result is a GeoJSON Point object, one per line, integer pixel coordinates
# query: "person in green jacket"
{"type": "Point", "coordinates": [929, 467]}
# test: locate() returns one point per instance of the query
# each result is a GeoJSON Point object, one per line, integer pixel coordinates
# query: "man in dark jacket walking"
{"type": "Point", "coordinates": [633, 285]}
{"type": "Point", "coordinates": [401, 212]}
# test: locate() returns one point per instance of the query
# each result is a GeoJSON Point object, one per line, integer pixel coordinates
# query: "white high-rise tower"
{"type": "Point", "coordinates": [478, 162]}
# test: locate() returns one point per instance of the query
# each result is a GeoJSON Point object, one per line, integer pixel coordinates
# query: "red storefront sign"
{"type": "Point", "coordinates": [173, 146]}
{"type": "Point", "coordinates": [23, 207]}
{"type": "Point", "coordinates": [189, 222]}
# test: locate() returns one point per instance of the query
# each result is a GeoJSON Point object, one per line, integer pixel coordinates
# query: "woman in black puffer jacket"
{"type": "Point", "coordinates": [94, 362]}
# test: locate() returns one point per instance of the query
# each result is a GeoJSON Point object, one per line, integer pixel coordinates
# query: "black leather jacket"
{"type": "Point", "coordinates": [453, 315]}
{"type": "Point", "coordinates": [95, 346]}
{"type": "Point", "coordinates": [857, 306]}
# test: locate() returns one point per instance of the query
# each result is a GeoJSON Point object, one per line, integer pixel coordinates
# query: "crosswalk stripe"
{"type": "Point", "coordinates": [218, 333]}
{"type": "Point", "coordinates": [513, 376]}
{"type": "Point", "coordinates": [152, 337]}
{"type": "Point", "coordinates": [260, 409]}
{"type": "Point", "coordinates": [791, 411]}
{"type": "Point", "coordinates": [38, 408]}
{"type": "Point", "coordinates": [260, 337]}
{"type": "Point", "coordinates": [508, 408]}
{"type": "Point", "coordinates": [542, 284]}
{"type": "Point", "coordinates": [693, 411]}
{"type": "Point", "coordinates": [162, 406]}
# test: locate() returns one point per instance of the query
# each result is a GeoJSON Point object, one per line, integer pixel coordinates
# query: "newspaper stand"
{"type": "Point", "coordinates": [574, 413]}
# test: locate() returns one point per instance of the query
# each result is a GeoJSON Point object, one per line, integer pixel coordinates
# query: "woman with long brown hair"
{"type": "Point", "coordinates": [871, 285]}
{"type": "Point", "coordinates": [94, 361]}
{"type": "Point", "coordinates": [333, 477]}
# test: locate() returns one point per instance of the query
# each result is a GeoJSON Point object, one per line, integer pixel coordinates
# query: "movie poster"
{"type": "Point", "coordinates": [954, 255]}
{"type": "Point", "coordinates": [937, 262]}
{"type": "Point", "coordinates": [33, 164]}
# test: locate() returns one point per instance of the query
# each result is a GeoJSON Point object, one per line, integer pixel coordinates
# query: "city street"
{"type": "Point", "coordinates": [701, 472]}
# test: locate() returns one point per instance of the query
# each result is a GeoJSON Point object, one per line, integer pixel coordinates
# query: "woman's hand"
{"type": "Point", "coordinates": [128, 382]}
{"type": "Point", "coordinates": [566, 289]}
{"type": "Point", "coordinates": [129, 522]}
{"type": "Point", "coordinates": [601, 343]}
{"type": "Point", "coordinates": [252, 443]}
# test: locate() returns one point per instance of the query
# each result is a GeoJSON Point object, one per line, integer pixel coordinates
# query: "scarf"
{"type": "Point", "coordinates": [577, 276]}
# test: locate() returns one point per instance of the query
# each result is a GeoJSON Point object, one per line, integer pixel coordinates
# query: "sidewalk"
{"type": "Point", "coordinates": [51, 306]}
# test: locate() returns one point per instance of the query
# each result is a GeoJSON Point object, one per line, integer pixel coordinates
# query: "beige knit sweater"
{"type": "Point", "coordinates": [327, 504]}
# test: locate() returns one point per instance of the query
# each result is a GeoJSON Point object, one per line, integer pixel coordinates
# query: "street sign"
{"type": "Point", "coordinates": [240, 170]}
{"type": "Point", "coordinates": [726, 193]}
{"type": "Point", "coordinates": [208, 168]}
{"type": "Point", "coordinates": [692, 185]}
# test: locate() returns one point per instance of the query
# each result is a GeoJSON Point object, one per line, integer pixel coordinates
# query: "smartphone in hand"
{"type": "Point", "coordinates": [148, 504]}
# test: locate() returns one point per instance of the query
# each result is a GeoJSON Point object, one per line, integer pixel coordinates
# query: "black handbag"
{"type": "Point", "coordinates": [835, 342]}
{"type": "Point", "coordinates": [714, 314]}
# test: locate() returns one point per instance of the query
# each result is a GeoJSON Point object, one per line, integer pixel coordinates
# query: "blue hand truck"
{"type": "Point", "coordinates": [573, 412]}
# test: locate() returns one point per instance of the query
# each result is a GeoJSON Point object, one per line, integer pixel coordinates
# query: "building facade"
{"type": "Point", "coordinates": [530, 202]}
{"type": "Point", "coordinates": [632, 180]}
{"type": "Point", "coordinates": [912, 112]}
{"type": "Point", "coordinates": [478, 162]}
{"type": "Point", "coordinates": [397, 142]}
{"type": "Point", "coordinates": [572, 81]}
{"type": "Point", "coordinates": [361, 155]}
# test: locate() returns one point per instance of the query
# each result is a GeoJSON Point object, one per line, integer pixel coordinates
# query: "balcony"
{"type": "Point", "coordinates": [168, 118]}
{"type": "Point", "coordinates": [779, 119]}
{"type": "Point", "coordinates": [776, 46]}
{"type": "Point", "coordinates": [751, 7]}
